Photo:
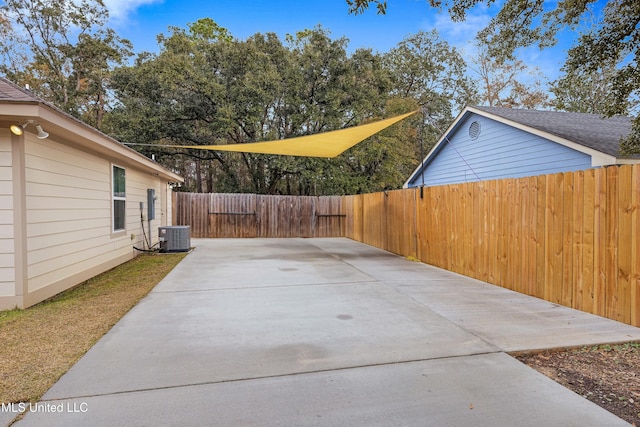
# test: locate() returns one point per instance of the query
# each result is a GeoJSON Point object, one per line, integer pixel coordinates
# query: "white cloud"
{"type": "Point", "coordinates": [459, 33]}
{"type": "Point", "coordinates": [119, 10]}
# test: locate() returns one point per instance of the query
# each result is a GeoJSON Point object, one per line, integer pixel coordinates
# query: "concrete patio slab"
{"type": "Point", "coordinates": [8, 415]}
{"type": "Point", "coordinates": [511, 321]}
{"type": "Point", "coordinates": [239, 265]}
{"type": "Point", "coordinates": [486, 390]}
{"type": "Point", "coordinates": [191, 337]}
{"type": "Point", "coordinates": [325, 332]}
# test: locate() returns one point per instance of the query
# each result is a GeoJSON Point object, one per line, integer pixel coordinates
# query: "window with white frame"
{"type": "Point", "coordinates": [119, 197]}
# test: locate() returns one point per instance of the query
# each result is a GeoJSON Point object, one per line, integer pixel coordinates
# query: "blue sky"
{"type": "Point", "coordinates": [142, 20]}
{"type": "Point", "coordinates": [246, 17]}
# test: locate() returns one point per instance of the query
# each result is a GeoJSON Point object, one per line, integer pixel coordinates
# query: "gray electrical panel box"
{"type": "Point", "coordinates": [151, 204]}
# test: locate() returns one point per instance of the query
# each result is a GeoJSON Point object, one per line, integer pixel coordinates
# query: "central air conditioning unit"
{"type": "Point", "coordinates": [176, 238]}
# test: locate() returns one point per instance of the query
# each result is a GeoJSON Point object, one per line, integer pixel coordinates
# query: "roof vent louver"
{"type": "Point", "coordinates": [474, 130]}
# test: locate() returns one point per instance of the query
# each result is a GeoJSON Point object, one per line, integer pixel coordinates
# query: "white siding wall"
{"type": "Point", "coordinates": [167, 218]}
{"type": "Point", "coordinates": [69, 224]}
{"type": "Point", "coordinates": [137, 185]}
{"type": "Point", "coordinates": [7, 262]}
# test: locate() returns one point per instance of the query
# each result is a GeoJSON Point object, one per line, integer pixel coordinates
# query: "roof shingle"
{"type": "Point", "coordinates": [591, 130]}
{"type": "Point", "coordinates": [12, 92]}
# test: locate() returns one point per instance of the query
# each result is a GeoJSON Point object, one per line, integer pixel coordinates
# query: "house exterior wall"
{"type": "Point", "coordinates": [7, 261]}
{"type": "Point", "coordinates": [500, 151]}
{"type": "Point", "coordinates": [69, 235]}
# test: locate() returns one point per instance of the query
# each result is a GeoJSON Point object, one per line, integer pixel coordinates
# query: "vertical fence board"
{"type": "Point", "coordinates": [577, 227]}
{"type": "Point", "coordinates": [541, 241]}
{"type": "Point", "coordinates": [521, 248]}
{"type": "Point", "coordinates": [504, 211]}
{"type": "Point", "coordinates": [453, 226]}
{"type": "Point", "coordinates": [479, 231]}
{"type": "Point", "coordinates": [611, 270]}
{"type": "Point", "coordinates": [588, 230]}
{"type": "Point", "coordinates": [600, 239]}
{"type": "Point", "coordinates": [635, 248]}
{"type": "Point", "coordinates": [493, 232]}
{"type": "Point", "coordinates": [445, 219]}
{"type": "Point", "coordinates": [566, 291]}
{"type": "Point", "coordinates": [624, 246]}
{"type": "Point", "coordinates": [358, 218]}
{"type": "Point", "coordinates": [250, 215]}
{"type": "Point", "coordinates": [463, 227]}
{"type": "Point", "coordinates": [412, 213]}
{"type": "Point", "coordinates": [514, 233]}
{"type": "Point", "coordinates": [570, 238]}
{"type": "Point", "coordinates": [532, 252]}
{"type": "Point", "coordinates": [551, 238]}
{"type": "Point", "coordinates": [424, 217]}
{"type": "Point", "coordinates": [469, 230]}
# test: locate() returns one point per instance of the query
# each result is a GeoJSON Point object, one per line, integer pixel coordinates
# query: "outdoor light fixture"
{"type": "Point", "coordinates": [41, 133]}
{"type": "Point", "coordinates": [19, 129]}
{"type": "Point", "coordinates": [16, 129]}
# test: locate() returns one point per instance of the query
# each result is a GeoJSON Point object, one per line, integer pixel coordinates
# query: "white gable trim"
{"type": "Point", "coordinates": [425, 161]}
{"type": "Point", "coordinates": [598, 158]}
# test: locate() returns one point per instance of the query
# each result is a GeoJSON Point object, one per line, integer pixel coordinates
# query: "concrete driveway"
{"type": "Point", "coordinates": [325, 332]}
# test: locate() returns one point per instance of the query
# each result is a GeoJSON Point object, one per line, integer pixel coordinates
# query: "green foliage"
{"type": "Point", "coordinates": [630, 146]}
{"type": "Point", "coordinates": [216, 90]}
{"type": "Point", "coordinates": [501, 82]}
{"type": "Point", "coordinates": [613, 46]}
{"type": "Point", "coordinates": [207, 29]}
{"type": "Point", "coordinates": [586, 92]}
{"type": "Point", "coordinates": [426, 68]}
{"type": "Point", "coordinates": [359, 6]}
{"type": "Point", "coordinates": [605, 58]}
{"type": "Point", "coordinates": [204, 87]}
{"type": "Point", "coordinates": [66, 53]}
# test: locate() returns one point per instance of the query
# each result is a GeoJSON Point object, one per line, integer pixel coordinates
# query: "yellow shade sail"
{"type": "Point", "coordinates": [328, 144]}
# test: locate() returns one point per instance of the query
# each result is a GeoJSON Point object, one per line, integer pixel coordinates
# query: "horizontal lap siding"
{"type": "Point", "coordinates": [137, 185]}
{"type": "Point", "coordinates": [68, 210]}
{"type": "Point", "coordinates": [69, 224]}
{"type": "Point", "coordinates": [500, 151]}
{"type": "Point", "coordinates": [7, 260]}
{"type": "Point", "coordinates": [571, 238]}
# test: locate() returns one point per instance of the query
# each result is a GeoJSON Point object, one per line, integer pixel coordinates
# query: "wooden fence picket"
{"type": "Point", "coordinates": [571, 238]}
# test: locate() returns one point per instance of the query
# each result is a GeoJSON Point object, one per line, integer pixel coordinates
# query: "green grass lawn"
{"type": "Point", "coordinates": [41, 343]}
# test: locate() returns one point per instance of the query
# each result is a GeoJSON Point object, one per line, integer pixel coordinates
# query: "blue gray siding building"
{"type": "Point", "coordinates": [485, 143]}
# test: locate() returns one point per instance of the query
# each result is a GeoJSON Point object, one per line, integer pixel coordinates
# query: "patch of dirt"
{"type": "Point", "coordinates": [607, 375]}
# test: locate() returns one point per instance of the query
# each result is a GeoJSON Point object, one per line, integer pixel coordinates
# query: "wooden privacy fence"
{"type": "Point", "coordinates": [251, 215]}
{"type": "Point", "coordinates": [569, 238]}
